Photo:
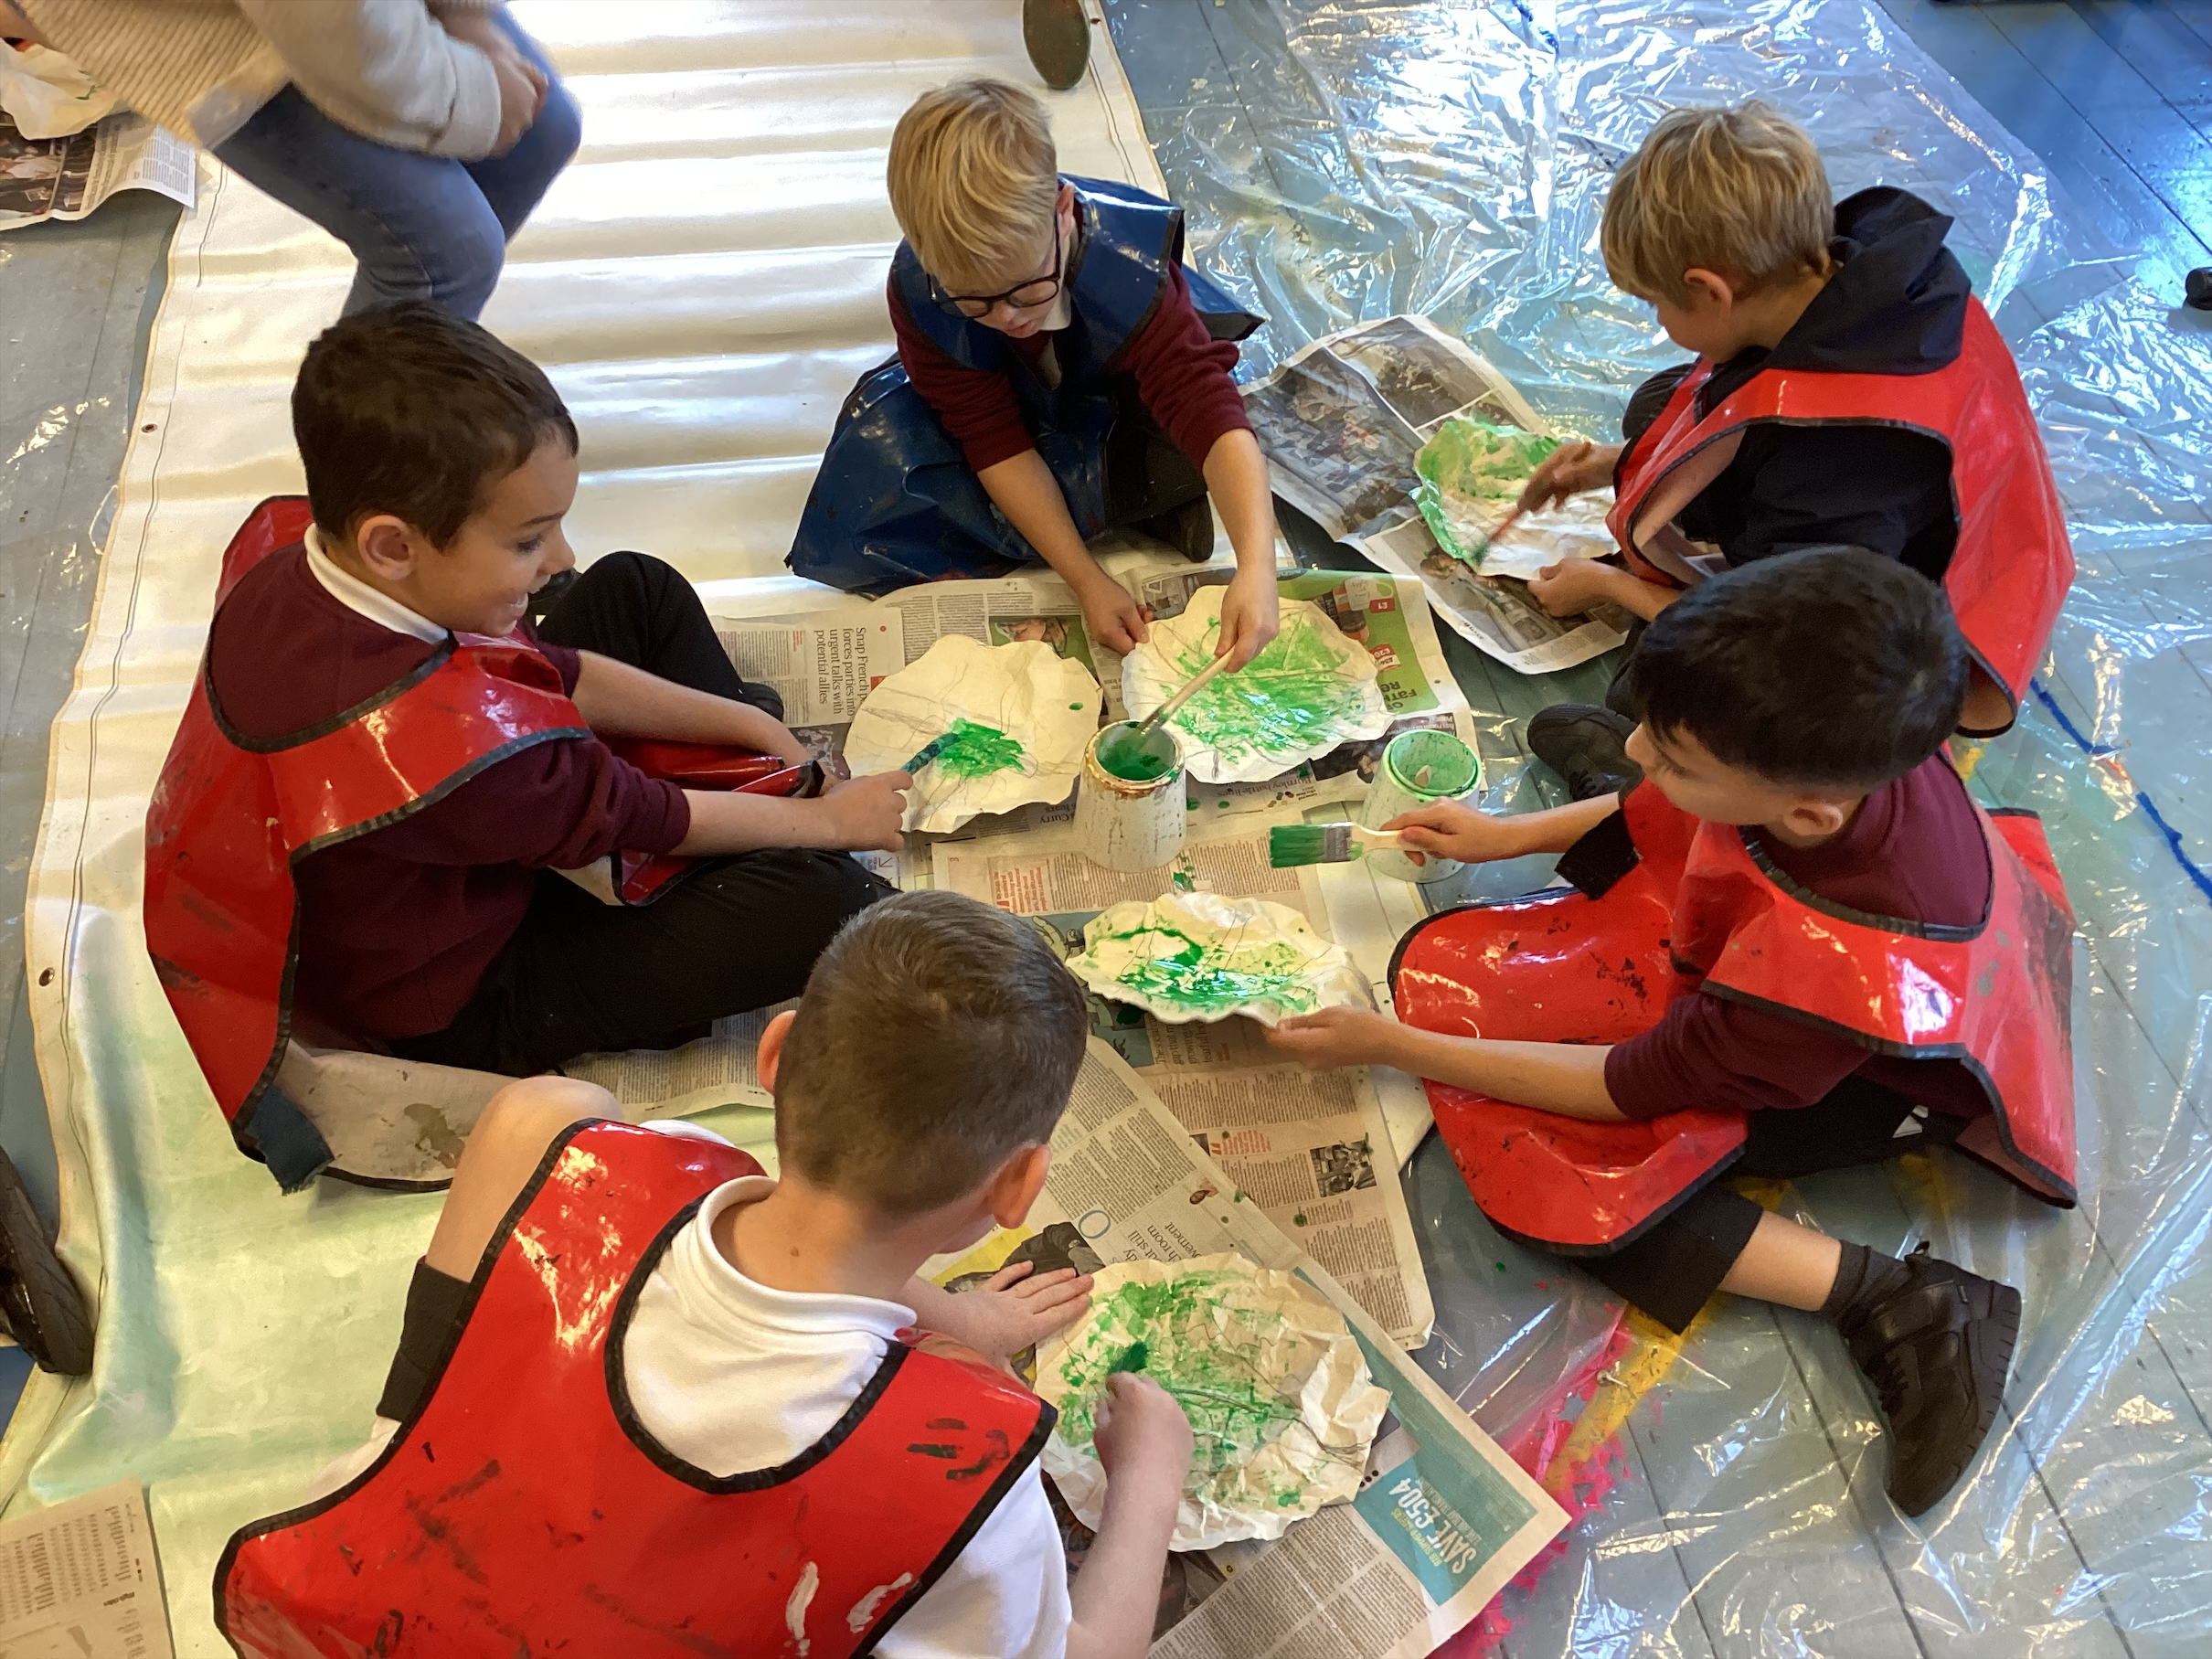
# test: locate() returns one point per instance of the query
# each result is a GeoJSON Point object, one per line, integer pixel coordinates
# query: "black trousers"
{"type": "Point", "coordinates": [735, 934]}
{"type": "Point", "coordinates": [1672, 1269]}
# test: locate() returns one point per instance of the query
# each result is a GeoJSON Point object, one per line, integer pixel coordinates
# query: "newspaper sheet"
{"type": "Point", "coordinates": [1443, 1518]}
{"type": "Point", "coordinates": [81, 1580]}
{"type": "Point", "coordinates": [1341, 422]}
{"type": "Point", "coordinates": [67, 178]}
{"type": "Point", "coordinates": [1312, 1149]}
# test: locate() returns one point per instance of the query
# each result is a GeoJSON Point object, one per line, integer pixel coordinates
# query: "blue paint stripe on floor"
{"type": "Point", "coordinates": [2189, 866]}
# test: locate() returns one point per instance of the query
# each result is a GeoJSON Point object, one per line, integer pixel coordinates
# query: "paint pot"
{"type": "Point", "coordinates": [1129, 806]}
{"type": "Point", "coordinates": [1418, 768]}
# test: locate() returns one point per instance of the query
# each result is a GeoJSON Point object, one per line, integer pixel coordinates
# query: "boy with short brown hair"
{"type": "Point", "coordinates": [1061, 371]}
{"type": "Point", "coordinates": [785, 1465]}
{"type": "Point", "coordinates": [1848, 390]}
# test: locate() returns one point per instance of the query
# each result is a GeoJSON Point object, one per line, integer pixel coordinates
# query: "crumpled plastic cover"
{"type": "Point", "coordinates": [1349, 161]}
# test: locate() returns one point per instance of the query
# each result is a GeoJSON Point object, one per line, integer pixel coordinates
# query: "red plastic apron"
{"type": "Point", "coordinates": [526, 1511]}
{"type": "Point", "coordinates": [229, 820]}
{"type": "Point", "coordinates": [1699, 913]}
{"type": "Point", "coordinates": [2012, 564]}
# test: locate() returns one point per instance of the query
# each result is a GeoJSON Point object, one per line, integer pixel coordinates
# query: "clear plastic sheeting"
{"type": "Point", "coordinates": [1344, 161]}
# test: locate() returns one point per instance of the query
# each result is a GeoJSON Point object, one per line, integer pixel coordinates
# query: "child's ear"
{"type": "Point", "coordinates": [772, 1047]}
{"type": "Point", "coordinates": [1812, 816]}
{"type": "Point", "coordinates": [1019, 1181]}
{"type": "Point", "coordinates": [1710, 288]}
{"type": "Point", "coordinates": [384, 543]}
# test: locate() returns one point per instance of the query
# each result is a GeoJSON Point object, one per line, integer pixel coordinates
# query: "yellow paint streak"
{"type": "Point", "coordinates": [1965, 756]}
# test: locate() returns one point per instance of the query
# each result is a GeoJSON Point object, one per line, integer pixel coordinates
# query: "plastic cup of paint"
{"type": "Point", "coordinates": [1129, 806]}
{"type": "Point", "coordinates": [1418, 768]}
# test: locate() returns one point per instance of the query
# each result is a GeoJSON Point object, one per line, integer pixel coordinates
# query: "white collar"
{"type": "Point", "coordinates": [362, 599]}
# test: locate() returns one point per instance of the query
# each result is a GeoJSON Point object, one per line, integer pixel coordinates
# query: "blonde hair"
{"type": "Point", "coordinates": [1738, 191]}
{"type": "Point", "coordinates": [974, 182]}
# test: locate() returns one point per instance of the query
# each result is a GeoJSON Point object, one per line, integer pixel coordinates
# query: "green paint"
{"type": "Point", "coordinates": [1134, 758]}
{"type": "Point", "coordinates": [1189, 1336]}
{"type": "Point", "coordinates": [1471, 474]}
{"type": "Point", "coordinates": [977, 751]}
{"type": "Point", "coordinates": [1292, 699]}
{"type": "Point", "coordinates": [1075, 708]}
{"type": "Point", "coordinates": [1207, 978]}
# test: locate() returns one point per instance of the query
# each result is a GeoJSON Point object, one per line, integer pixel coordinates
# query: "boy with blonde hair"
{"type": "Point", "coordinates": [649, 1402]}
{"type": "Point", "coordinates": [1848, 389]}
{"type": "Point", "coordinates": [1059, 372]}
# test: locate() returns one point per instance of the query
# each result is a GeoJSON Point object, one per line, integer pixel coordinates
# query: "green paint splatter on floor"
{"type": "Point", "coordinates": [1291, 698]}
{"type": "Point", "coordinates": [1187, 1336]}
{"type": "Point", "coordinates": [977, 751]}
{"type": "Point", "coordinates": [1212, 979]}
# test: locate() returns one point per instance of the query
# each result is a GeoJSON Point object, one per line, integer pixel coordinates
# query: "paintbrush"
{"type": "Point", "coordinates": [929, 753]}
{"type": "Point", "coordinates": [1475, 554]}
{"type": "Point", "coordinates": [1290, 845]}
{"type": "Point", "coordinates": [1190, 688]}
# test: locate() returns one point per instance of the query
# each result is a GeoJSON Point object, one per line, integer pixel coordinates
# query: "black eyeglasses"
{"type": "Point", "coordinates": [1022, 296]}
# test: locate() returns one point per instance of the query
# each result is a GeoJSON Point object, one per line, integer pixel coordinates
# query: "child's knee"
{"type": "Point", "coordinates": [521, 1120]}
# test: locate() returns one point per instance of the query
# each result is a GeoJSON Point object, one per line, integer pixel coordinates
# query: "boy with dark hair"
{"type": "Point", "coordinates": [651, 1402]}
{"type": "Point", "coordinates": [1799, 945]}
{"type": "Point", "coordinates": [1848, 390]}
{"type": "Point", "coordinates": [384, 766]}
{"type": "Point", "coordinates": [1061, 371]}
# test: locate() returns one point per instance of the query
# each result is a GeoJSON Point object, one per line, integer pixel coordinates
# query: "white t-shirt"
{"type": "Point", "coordinates": [730, 1375]}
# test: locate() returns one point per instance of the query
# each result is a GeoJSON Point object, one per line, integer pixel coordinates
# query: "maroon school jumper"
{"type": "Point", "coordinates": [1914, 851]}
{"type": "Point", "coordinates": [1182, 374]}
{"type": "Point", "coordinates": [396, 927]}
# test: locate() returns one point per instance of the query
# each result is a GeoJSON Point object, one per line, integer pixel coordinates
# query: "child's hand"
{"type": "Point", "coordinates": [1142, 1438]}
{"type": "Point", "coordinates": [1015, 1308]}
{"type": "Point", "coordinates": [1569, 470]}
{"type": "Point", "coordinates": [1112, 615]}
{"type": "Point", "coordinates": [1449, 830]}
{"type": "Point", "coordinates": [865, 814]}
{"type": "Point", "coordinates": [1251, 614]}
{"type": "Point", "coordinates": [1334, 1037]}
{"type": "Point", "coordinates": [1573, 585]}
{"type": "Point", "coordinates": [522, 84]}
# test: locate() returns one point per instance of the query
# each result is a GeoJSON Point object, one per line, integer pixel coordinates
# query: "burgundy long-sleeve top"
{"type": "Point", "coordinates": [1182, 374]}
{"type": "Point", "coordinates": [396, 927]}
{"type": "Point", "coordinates": [1915, 851]}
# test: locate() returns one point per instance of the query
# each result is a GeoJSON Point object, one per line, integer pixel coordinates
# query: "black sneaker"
{"type": "Point", "coordinates": [1936, 1342]}
{"type": "Point", "coordinates": [2197, 288]}
{"type": "Point", "coordinates": [1588, 747]}
{"type": "Point", "coordinates": [1059, 37]}
{"type": "Point", "coordinates": [1189, 529]}
{"type": "Point", "coordinates": [39, 1301]}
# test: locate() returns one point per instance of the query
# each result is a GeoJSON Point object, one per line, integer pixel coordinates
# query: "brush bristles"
{"type": "Point", "coordinates": [1292, 845]}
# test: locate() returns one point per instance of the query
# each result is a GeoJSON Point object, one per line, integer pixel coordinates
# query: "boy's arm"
{"type": "Point", "coordinates": [617, 700]}
{"type": "Point", "coordinates": [1472, 836]}
{"type": "Point", "coordinates": [859, 817]}
{"type": "Point", "coordinates": [1025, 490]}
{"type": "Point", "coordinates": [1236, 477]}
{"type": "Point", "coordinates": [1565, 1078]}
{"type": "Point", "coordinates": [503, 1153]}
{"type": "Point", "coordinates": [1145, 1445]}
{"type": "Point", "coordinates": [1573, 585]}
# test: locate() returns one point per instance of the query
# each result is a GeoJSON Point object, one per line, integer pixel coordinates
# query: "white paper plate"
{"type": "Point", "coordinates": [1202, 956]}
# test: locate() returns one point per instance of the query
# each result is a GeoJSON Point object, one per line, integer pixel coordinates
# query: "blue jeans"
{"type": "Point", "coordinates": [421, 227]}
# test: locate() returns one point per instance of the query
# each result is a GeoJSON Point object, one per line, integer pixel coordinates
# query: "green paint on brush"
{"type": "Point", "coordinates": [1210, 979]}
{"type": "Point", "coordinates": [1186, 1336]}
{"type": "Point", "coordinates": [1291, 699]}
{"type": "Point", "coordinates": [977, 751]}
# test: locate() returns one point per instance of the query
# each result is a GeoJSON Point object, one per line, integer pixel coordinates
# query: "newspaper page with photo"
{"type": "Point", "coordinates": [1315, 1150]}
{"type": "Point", "coordinates": [1443, 1520]}
{"type": "Point", "coordinates": [1341, 422]}
{"type": "Point", "coordinates": [67, 178]}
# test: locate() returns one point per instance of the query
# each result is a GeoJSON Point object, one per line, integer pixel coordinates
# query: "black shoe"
{"type": "Point", "coordinates": [1059, 37]}
{"type": "Point", "coordinates": [39, 1301]}
{"type": "Point", "coordinates": [1189, 529]}
{"type": "Point", "coordinates": [1587, 746]}
{"type": "Point", "coordinates": [2197, 288]}
{"type": "Point", "coordinates": [1936, 1341]}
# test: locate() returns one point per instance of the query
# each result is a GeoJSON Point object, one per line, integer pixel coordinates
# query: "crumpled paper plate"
{"type": "Point", "coordinates": [1309, 691]}
{"type": "Point", "coordinates": [1574, 528]}
{"type": "Point", "coordinates": [1026, 691]}
{"type": "Point", "coordinates": [1205, 956]}
{"type": "Point", "coordinates": [1281, 1403]}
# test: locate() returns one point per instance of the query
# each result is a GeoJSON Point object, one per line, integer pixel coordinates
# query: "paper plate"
{"type": "Point", "coordinates": [1309, 691]}
{"type": "Point", "coordinates": [1281, 1403]}
{"type": "Point", "coordinates": [1201, 956]}
{"type": "Point", "coordinates": [1027, 713]}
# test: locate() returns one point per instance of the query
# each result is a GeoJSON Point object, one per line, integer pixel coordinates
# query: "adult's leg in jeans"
{"type": "Point", "coordinates": [579, 975]}
{"type": "Point", "coordinates": [642, 610]}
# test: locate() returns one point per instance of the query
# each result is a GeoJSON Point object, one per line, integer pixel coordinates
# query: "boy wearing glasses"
{"type": "Point", "coordinates": [1059, 372]}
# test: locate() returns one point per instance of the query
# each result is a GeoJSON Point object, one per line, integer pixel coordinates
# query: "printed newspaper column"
{"type": "Point", "coordinates": [1443, 1518]}
{"type": "Point", "coordinates": [81, 1581]}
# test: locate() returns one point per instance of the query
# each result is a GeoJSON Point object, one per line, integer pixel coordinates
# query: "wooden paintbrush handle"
{"type": "Point", "coordinates": [1190, 689]}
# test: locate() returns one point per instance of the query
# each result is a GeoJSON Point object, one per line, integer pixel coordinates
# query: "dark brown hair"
{"type": "Point", "coordinates": [937, 1037]}
{"type": "Point", "coordinates": [411, 411]}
